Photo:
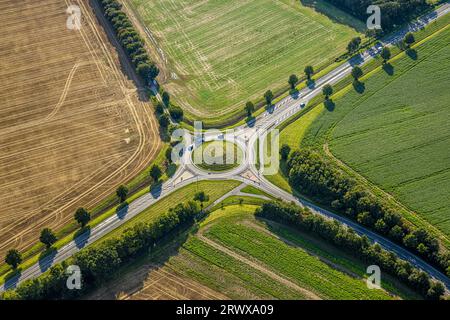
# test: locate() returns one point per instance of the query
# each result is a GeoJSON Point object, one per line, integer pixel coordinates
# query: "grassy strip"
{"type": "Point", "coordinates": [214, 189]}
{"type": "Point", "coordinates": [253, 190]}
{"type": "Point", "coordinates": [293, 263]}
{"type": "Point", "coordinates": [345, 83]}
{"type": "Point", "coordinates": [180, 196]}
{"type": "Point", "coordinates": [102, 211]}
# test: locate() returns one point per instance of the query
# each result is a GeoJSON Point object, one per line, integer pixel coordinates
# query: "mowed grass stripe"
{"type": "Point", "coordinates": [214, 189]}
{"type": "Point", "coordinates": [240, 234]}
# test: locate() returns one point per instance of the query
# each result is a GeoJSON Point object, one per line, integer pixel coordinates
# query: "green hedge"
{"type": "Point", "coordinates": [311, 174]}
{"type": "Point", "coordinates": [347, 239]}
{"type": "Point", "coordinates": [99, 263]}
{"type": "Point", "coordinates": [130, 40]}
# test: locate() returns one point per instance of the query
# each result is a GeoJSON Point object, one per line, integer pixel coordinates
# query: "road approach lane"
{"type": "Point", "coordinates": [281, 111]}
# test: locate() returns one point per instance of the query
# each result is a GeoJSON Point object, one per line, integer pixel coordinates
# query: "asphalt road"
{"type": "Point", "coordinates": [246, 136]}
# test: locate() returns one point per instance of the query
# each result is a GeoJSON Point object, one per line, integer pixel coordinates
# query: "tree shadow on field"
{"type": "Point", "coordinates": [329, 105]}
{"type": "Point", "coordinates": [82, 236]}
{"type": "Point", "coordinates": [156, 189]}
{"type": "Point", "coordinates": [122, 210]}
{"type": "Point", "coordinates": [136, 274]}
{"type": "Point", "coordinates": [46, 259]}
{"type": "Point", "coordinates": [359, 86]}
{"type": "Point", "coordinates": [412, 53]}
{"type": "Point", "coordinates": [388, 68]}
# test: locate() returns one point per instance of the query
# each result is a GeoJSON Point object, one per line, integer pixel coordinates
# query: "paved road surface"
{"type": "Point", "coordinates": [247, 136]}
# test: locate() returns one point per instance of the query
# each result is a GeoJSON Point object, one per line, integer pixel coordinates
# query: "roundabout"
{"type": "Point", "coordinates": [217, 157]}
{"type": "Point", "coordinates": [238, 156]}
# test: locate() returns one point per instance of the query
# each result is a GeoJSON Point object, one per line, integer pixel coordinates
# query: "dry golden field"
{"type": "Point", "coordinates": [155, 283]}
{"type": "Point", "coordinates": [72, 125]}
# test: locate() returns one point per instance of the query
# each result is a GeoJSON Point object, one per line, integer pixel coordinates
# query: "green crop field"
{"type": "Point", "coordinates": [396, 133]}
{"type": "Point", "coordinates": [222, 53]}
{"type": "Point", "coordinates": [245, 258]}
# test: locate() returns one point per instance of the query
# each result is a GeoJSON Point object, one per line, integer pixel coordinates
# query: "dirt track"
{"type": "Point", "coordinates": [72, 126]}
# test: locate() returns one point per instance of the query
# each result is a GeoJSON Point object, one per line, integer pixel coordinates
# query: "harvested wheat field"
{"type": "Point", "coordinates": [156, 283]}
{"type": "Point", "coordinates": [72, 125]}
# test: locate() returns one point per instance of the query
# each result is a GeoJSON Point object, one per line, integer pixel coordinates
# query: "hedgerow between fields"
{"type": "Point", "coordinates": [348, 240]}
{"type": "Point", "coordinates": [99, 263]}
{"type": "Point", "coordinates": [312, 175]}
{"type": "Point", "coordinates": [130, 40]}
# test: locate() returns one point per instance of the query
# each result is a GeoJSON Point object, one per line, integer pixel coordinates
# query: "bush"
{"type": "Point", "coordinates": [130, 40]}
{"type": "Point", "coordinates": [176, 113]}
{"type": "Point", "coordinates": [316, 177]}
{"type": "Point", "coordinates": [98, 264]}
{"type": "Point", "coordinates": [348, 240]}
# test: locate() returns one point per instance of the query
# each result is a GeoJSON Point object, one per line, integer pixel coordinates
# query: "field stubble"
{"type": "Point", "coordinates": [72, 126]}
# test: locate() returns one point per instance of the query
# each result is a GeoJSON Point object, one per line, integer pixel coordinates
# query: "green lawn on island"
{"type": "Point", "coordinates": [397, 133]}
{"type": "Point", "coordinates": [225, 52]}
{"type": "Point", "coordinates": [217, 156]}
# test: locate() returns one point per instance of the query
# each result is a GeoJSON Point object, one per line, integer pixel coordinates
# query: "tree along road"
{"type": "Point", "coordinates": [246, 172]}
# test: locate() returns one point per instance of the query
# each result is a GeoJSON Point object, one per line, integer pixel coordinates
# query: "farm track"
{"type": "Point", "coordinates": [259, 267]}
{"type": "Point", "coordinates": [95, 79]}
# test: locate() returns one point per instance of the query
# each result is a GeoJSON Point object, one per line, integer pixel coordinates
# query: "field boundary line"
{"type": "Point", "coordinates": [278, 237]}
{"type": "Point", "coordinates": [258, 267]}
